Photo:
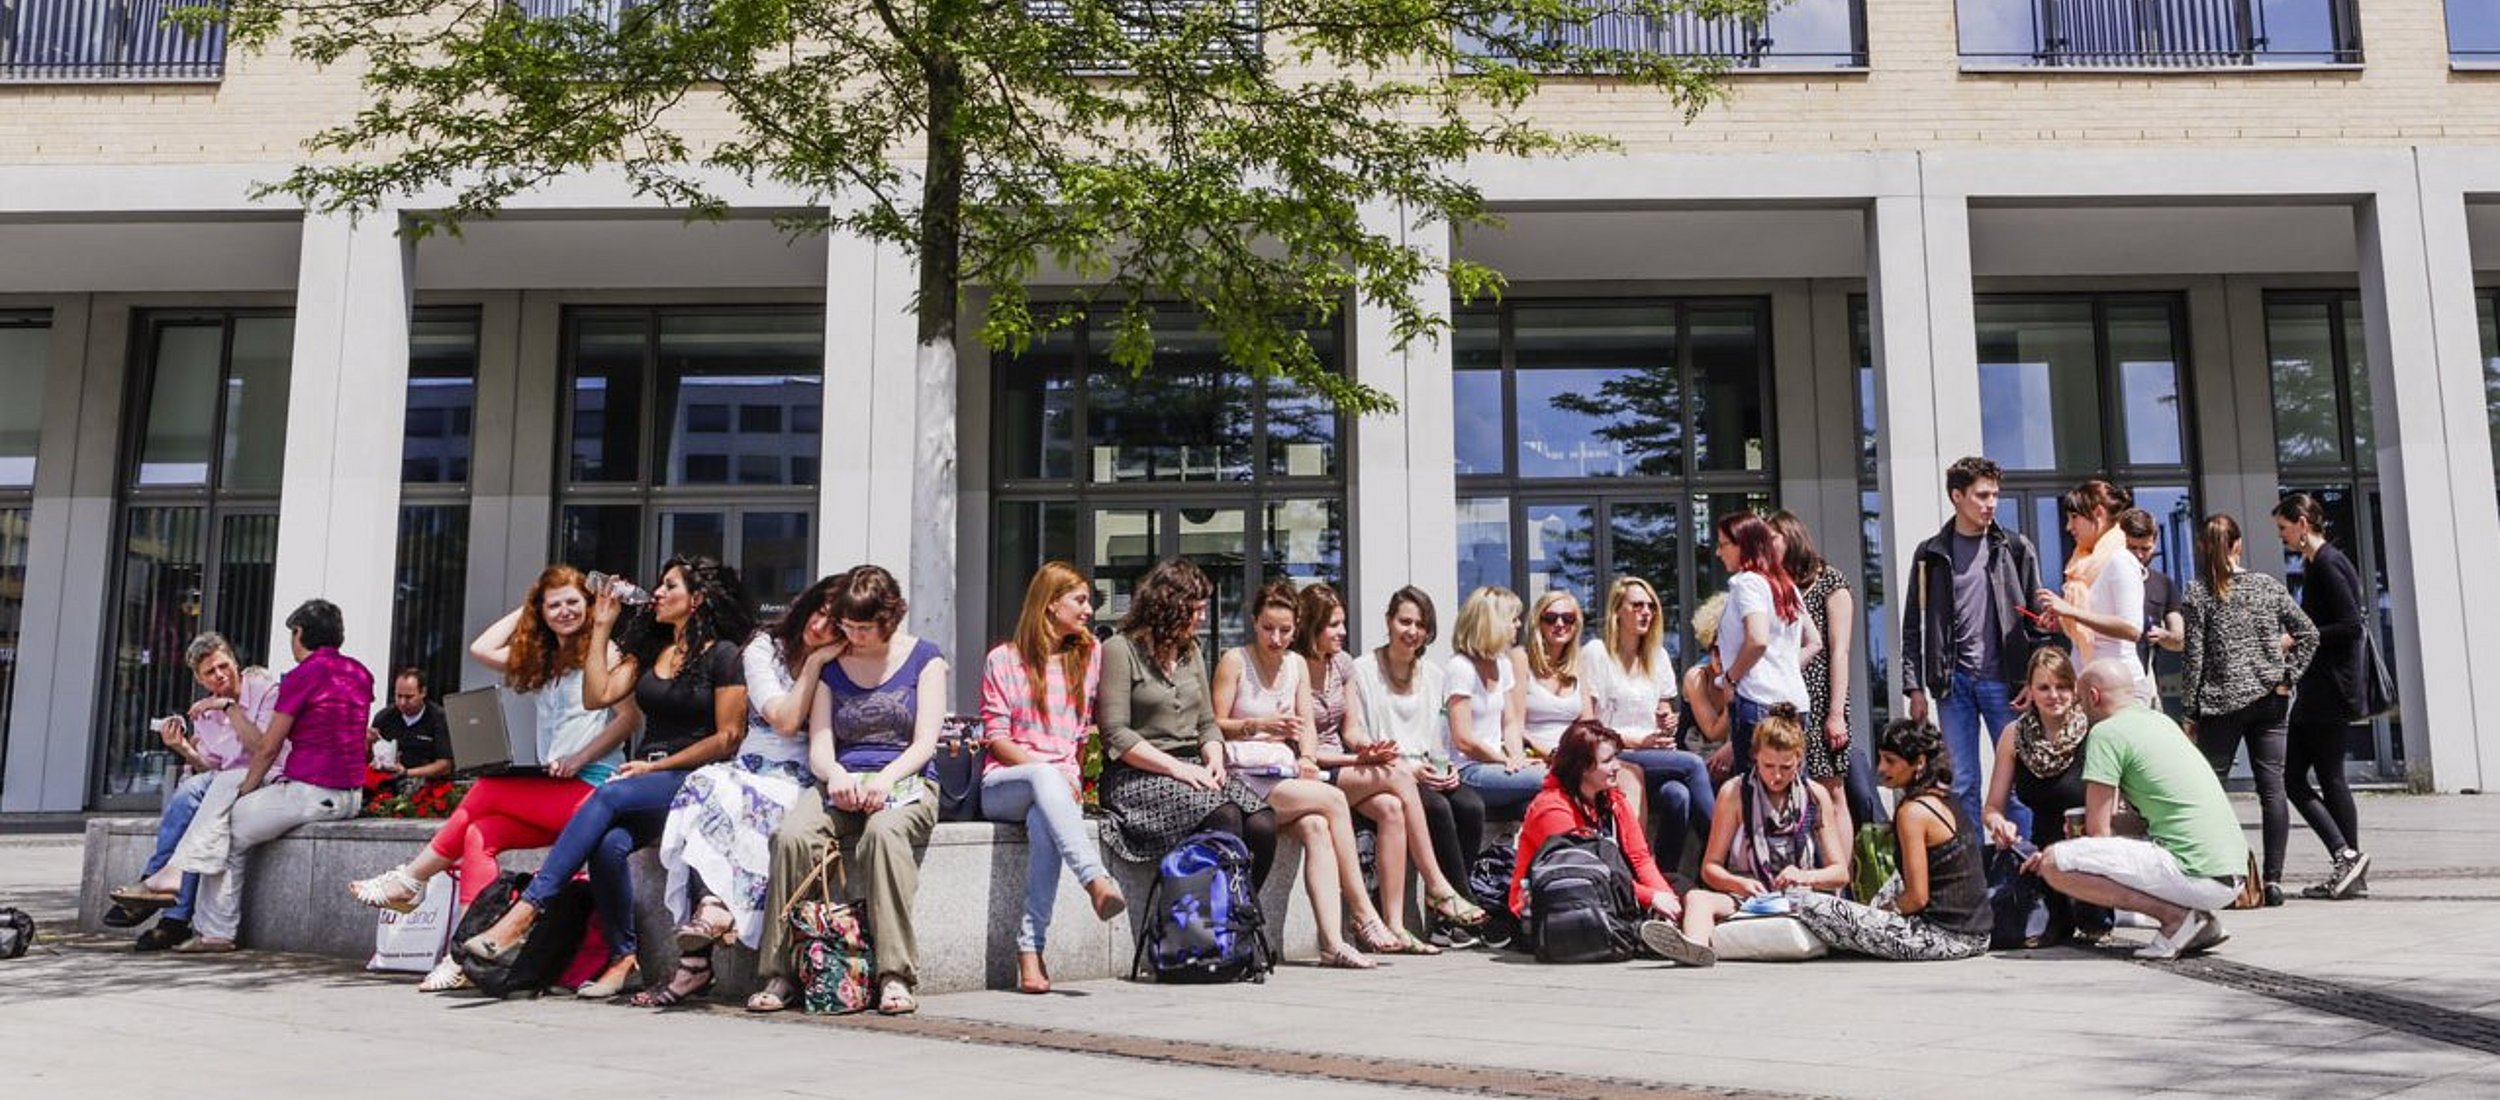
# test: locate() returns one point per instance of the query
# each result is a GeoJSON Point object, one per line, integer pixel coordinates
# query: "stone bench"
{"type": "Point", "coordinates": [971, 898]}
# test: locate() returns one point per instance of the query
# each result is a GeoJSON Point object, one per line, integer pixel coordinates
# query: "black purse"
{"type": "Point", "coordinates": [2378, 685]}
{"type": "Point", "coordinates": [962, 755]}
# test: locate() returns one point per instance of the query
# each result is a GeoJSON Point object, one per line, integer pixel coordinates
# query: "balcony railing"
{"type": "Point", "coordinates": [77, 41]}
{"type": "Point", "coordinates": [1798, 34]}
{"type": "Point", "coordinates": [2159, 34]}
{"type": "Point", "coordinates": [1141, 28]}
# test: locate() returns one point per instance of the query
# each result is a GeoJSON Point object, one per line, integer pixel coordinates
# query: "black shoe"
{"type": "Point", "coordinates": [122, 916]}
{"type": "Point", "coordinates": [2274, 896]}
{"type": "Point", "coordinates": [164, 936]}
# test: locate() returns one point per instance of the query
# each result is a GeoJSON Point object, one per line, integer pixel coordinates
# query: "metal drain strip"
{"type": "Point", "coordinates": [2428, 1021]}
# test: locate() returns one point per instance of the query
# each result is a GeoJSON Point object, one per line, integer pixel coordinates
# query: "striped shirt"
{"type": "Point", "coordinates": [1053, 735]}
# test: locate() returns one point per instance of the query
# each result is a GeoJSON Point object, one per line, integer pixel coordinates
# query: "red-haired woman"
{"type": "Point", "coordinates": [1765, 636]}
{"type": "Point", "coordinates": [538, 648]}
{"type": "Point", "coordinates": [1037, 697]}
{"type": "Point", "coordinates": [1580, 794]}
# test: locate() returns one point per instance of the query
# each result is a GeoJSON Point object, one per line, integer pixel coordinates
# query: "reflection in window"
{"type": "Point", "coordinates": [1483, 543]}
{"type": "Point", "coordinates": [2487, 313]}
{"type": "Point", "coordinates": [25, 358]}
{"type": "Point", "coordinates": [2039, 397]}
{"type": "Point", "coordinates": [1597, 392]}
{"type": "Point", "coordinates": [431, 568]}
{"type": "Point", "coordinates": [1561, 550]}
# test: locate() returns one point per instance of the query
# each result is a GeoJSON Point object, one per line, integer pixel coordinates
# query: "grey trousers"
{"type": "Point", "coordinates": [880, 862]}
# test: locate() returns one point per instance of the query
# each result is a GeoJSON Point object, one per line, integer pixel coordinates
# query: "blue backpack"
{"type": "Point", "coordinates": [1202, 919]}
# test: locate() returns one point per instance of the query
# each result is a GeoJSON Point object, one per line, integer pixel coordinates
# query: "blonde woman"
{"type": "Point", "coordinates": [1771, 834]}
{"type": "Point", "coordinates": [1487, 704]}
{"type": "Point", "coordinates": [1632, 682]}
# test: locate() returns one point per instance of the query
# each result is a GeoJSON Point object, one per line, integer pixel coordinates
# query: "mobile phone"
{"type": "Point", "coordinates": [2040, 619]}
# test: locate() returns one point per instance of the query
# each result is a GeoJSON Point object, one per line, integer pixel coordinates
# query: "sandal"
{"type": "Point", "coordinates": [1377, 936]}
{"type": "Point", "coordinates": [774, 997]}
{"type": "Point", "coordinates": [712, 923]}
{"type": "Point", "coordinates": [612, 980]}
{"type": "Point", "coordinates": [445, 977]}
{"type": "Point", "coordinates": [395, 890]}
{"type": "Point", "coordinates": [1415, 946]}
{"type": "Point", "coordinates": [669, 995]}
{"type": "Point", "coordinates": [1345, 957]}
{"type": "Point", "coordinates": [895, 999]}
{"type": "Point", "coordinates": [143, 898]}
{"type": "Point", "coordinates": [1457, 910]}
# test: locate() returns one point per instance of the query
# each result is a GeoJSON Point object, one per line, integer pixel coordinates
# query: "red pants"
{"type": "Point", "coordinates": [503, 813]}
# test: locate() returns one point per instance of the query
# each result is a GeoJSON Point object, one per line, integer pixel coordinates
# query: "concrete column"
{"type": "Point", "coordinates": [871, 425]}
{"type": "Point", "coordinates": [1404, 485]}
{"type": "Point", "coordinates": [69, 558]}
{"type": "Point", "coordinates": [338, 517]}
{"type": "Point", "coordinates": [2235, 413]}
{"type": "Point", "coordinates": [1926, 353]}
{"type": "Point", "coordinates": [2434, 460]}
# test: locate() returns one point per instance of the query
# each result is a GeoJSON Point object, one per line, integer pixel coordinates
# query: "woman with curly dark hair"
{"type": "Point", "coordinates": [538, 648]}
{"type": "Point", "coordinates": [677, 662]}
{"type": "Point", "coordinates": [1937, 907]}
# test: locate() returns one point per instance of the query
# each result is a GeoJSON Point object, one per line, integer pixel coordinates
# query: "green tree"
{"type": "Point", "coordinates": [1216, 154]}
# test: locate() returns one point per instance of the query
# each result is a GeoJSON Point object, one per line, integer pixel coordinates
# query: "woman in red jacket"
{"type": "Point", "coordinates": [1580, 794]}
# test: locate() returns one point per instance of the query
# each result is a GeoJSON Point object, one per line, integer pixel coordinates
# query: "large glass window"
{"type": "Point", "coordinates": [1113, 470]}
{"type": "Point", "coordinates": [694, 430]}
{"type": "Point", "coordinates": [2487, 313]}
{"type": "Point", "coordinates": [2318, 364]}
{"type": "Point", "coordinates": [430, 578]}
{"type": "Point", "coordinates": [25, 359]}
{"type": "Point", "coordinates": [199, 522]}
{"type": "Point", "coordinates": [1600, 438]}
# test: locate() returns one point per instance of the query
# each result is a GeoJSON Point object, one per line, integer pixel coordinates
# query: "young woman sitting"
{"type": "Point", "coordinates": [1937, 907]}
{"type": "Point", "coordinates": [1583, 777]}
{"type": "Point", "coordinates": [1771, 834]}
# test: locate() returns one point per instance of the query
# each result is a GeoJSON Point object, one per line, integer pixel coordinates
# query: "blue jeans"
{"type": "Point", "coordinates": [1972, 714]}
{"type": "Point", "coordinates": [1039, 798]}
{"type": "Point", "coordinates": [1742, 716]}
{"type": "Point", "coordinates": [1502, 790]}
{"type": "Point", "coordinates": [179, 810]}
{"type": "Point", "coordinates": [1681, 801]}
{"type": "Point", "coordinates": [620, 816]}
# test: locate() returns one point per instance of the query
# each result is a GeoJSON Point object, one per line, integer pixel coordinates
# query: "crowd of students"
{"type": "Point", "coordinates": [742, 751]}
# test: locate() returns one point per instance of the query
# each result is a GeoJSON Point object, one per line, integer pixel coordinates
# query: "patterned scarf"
{"type": "Point", "coordinates": [2045, 754]}
{"type": "Point", "coordinates": [1778, 837]}
{"type": "Point", "coordinates": [2082, 571]}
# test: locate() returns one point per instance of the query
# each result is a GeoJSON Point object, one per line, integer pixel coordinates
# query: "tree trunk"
{"type": "Point", "coordinates": [933, 582]}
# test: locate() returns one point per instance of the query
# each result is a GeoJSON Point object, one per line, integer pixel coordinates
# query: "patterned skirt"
{"type": "Point", "coordinates": [1150, 813]}
{"type": "Point", "coordinates": [721, 827]}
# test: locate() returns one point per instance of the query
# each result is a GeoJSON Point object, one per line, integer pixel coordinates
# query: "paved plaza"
{"type": "Point", "coordinates": [2398, 994]}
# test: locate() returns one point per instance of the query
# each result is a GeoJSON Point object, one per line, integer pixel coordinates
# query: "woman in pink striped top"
{"type": "Point", "coordinates": [1037, 700]}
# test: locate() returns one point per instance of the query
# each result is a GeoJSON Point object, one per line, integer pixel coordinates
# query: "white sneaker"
{"type": "Point", "coordinates": [1669, 942]}
{"type": "Point", "coordinates": [2169, 947]}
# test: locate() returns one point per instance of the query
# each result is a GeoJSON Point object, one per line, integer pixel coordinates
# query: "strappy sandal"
{"type": "Point", "coordinates": [1345, 957]}
{"type": "Point", "coordinates": [1378, 937]}
{"type": "Point", "coordinates": [895, 999]}
{"type": "Point", "coordinates": [1414, 945]}
{"type": "Point", "coordinates": [668, 995]}
{"type": "Point", "coordinates": [395, 890]}
{"type": "Point", "coordinates": [1456, 909]}
{"type": "Point", "coordinates": [774, 997]}
{"type": "Point", "coordinates": [445, 977]}
{"type": "Point", "coordinates": [703, 930]}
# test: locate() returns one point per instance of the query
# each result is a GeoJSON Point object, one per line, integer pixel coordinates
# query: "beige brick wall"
{"type": "Point", "coordinates": [1914, 97]}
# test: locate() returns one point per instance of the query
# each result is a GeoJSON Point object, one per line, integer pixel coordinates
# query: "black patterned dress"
{"type": "Point", "coordinates": [1821, 761]}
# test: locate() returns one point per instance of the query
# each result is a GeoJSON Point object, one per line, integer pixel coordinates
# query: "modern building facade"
{"type": "Point", "coordinates": [2213, 250]}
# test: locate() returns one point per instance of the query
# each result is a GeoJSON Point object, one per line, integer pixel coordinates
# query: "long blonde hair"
{"type": "Point", "coordinates": [1484, 631]}
{"type": "Point", "coordinates": [1564, 667]}
{"type": "Point", "coordinates": [1036, 639]}
{"type": "Point", "coordinates": [1651, 640]}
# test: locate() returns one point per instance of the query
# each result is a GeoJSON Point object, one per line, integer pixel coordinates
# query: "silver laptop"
{"type": "Point", "coordinates": [494, 731]}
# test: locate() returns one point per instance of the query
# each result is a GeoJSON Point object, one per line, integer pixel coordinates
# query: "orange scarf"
{"type": "Point", "coordinates": [2082, 570]}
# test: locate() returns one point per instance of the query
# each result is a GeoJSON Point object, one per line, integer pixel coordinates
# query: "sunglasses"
{"type": "Point", "coordinates": [1559, 618]}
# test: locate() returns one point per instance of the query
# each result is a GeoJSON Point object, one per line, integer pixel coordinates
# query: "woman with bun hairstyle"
{"type": "Point", "coordinates": [2101, 607]}
{"type": "Point", "coordinates": [1772, 835]}
{"type": "Point", "coordinates": [2331, 695]}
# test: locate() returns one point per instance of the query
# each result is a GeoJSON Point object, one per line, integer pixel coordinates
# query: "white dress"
{"type": "Point", "coordinates": [720, 826]}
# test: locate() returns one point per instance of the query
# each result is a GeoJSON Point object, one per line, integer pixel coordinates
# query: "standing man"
{"type": "Point", "coordinates": [1964, 638]}
{"type": "Point", "coordinates": [2193, 858]}
{"type": "Point", "coordinates": [417, 731]}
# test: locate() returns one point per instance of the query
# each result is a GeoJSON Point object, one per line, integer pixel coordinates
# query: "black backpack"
{"type": "Point", "coordinates": [552, 942]}
{"type": "Point", "coordinates": [17, 933]}
{"type": "Point", "coordinates": [1580, 899]}
{"type": "Point", "coordinates": [2017, 902]}
{"type": "Point", "coordinates": [1488, 884]}
{"type": "Point", "coordinates": [1202, 919]}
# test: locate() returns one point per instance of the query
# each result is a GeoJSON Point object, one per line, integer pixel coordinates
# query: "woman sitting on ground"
{"type": "Point", "coordinates": [717, 845]}
{"type": "Point", "coordinates": [2040, 763]}
{"type": "Point", "coordinates": [1583, 791]}
{"type": "Point", "coordinates": [1263, 708]}
{"type": "Point", "coordinates": [678, 663]}
{"type": "Point", "coordinates": [1396, 700]}
{"type": "Point", "coordinates": [1632, 681]}
{"type": "Point", "coordinates": [872, 732]}
{"type": "Point", "coordinates": [1377, 782]}
{"type": "Point", "coordinates": [538, 649]}
{"type": "Point", "coordinates": [1037, 698]}
{"type": "Point", "coordinates": [1937, 907]}
{"type": "Point", "coordinates": [1772, 834]}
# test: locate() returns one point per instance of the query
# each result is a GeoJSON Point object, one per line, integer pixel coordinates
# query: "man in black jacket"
{"type": "Point", "coordinates": [1964, 639]}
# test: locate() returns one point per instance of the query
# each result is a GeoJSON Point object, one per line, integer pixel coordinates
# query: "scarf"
{"type": "Point", "coordinates": [2048, 754]}
{"type": "Point", "coordinates": [2082, 571]}
{"type": "Point", "coordinates": [1778, 837]}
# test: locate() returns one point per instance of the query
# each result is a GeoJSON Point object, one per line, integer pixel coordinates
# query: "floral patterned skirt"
{"type": "Point", "coordinates": [721, 827]}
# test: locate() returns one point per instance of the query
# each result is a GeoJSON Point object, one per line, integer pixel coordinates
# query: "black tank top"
{"type": "Point", "coordinates": [1957, 885]}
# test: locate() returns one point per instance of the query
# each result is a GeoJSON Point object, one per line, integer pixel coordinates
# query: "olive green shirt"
{"type": "Point", "coordinates": [1142, 705]}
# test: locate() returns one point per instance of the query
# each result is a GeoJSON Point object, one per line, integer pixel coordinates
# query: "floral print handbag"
{"type": "Point", "coordinates": [829, 939]}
